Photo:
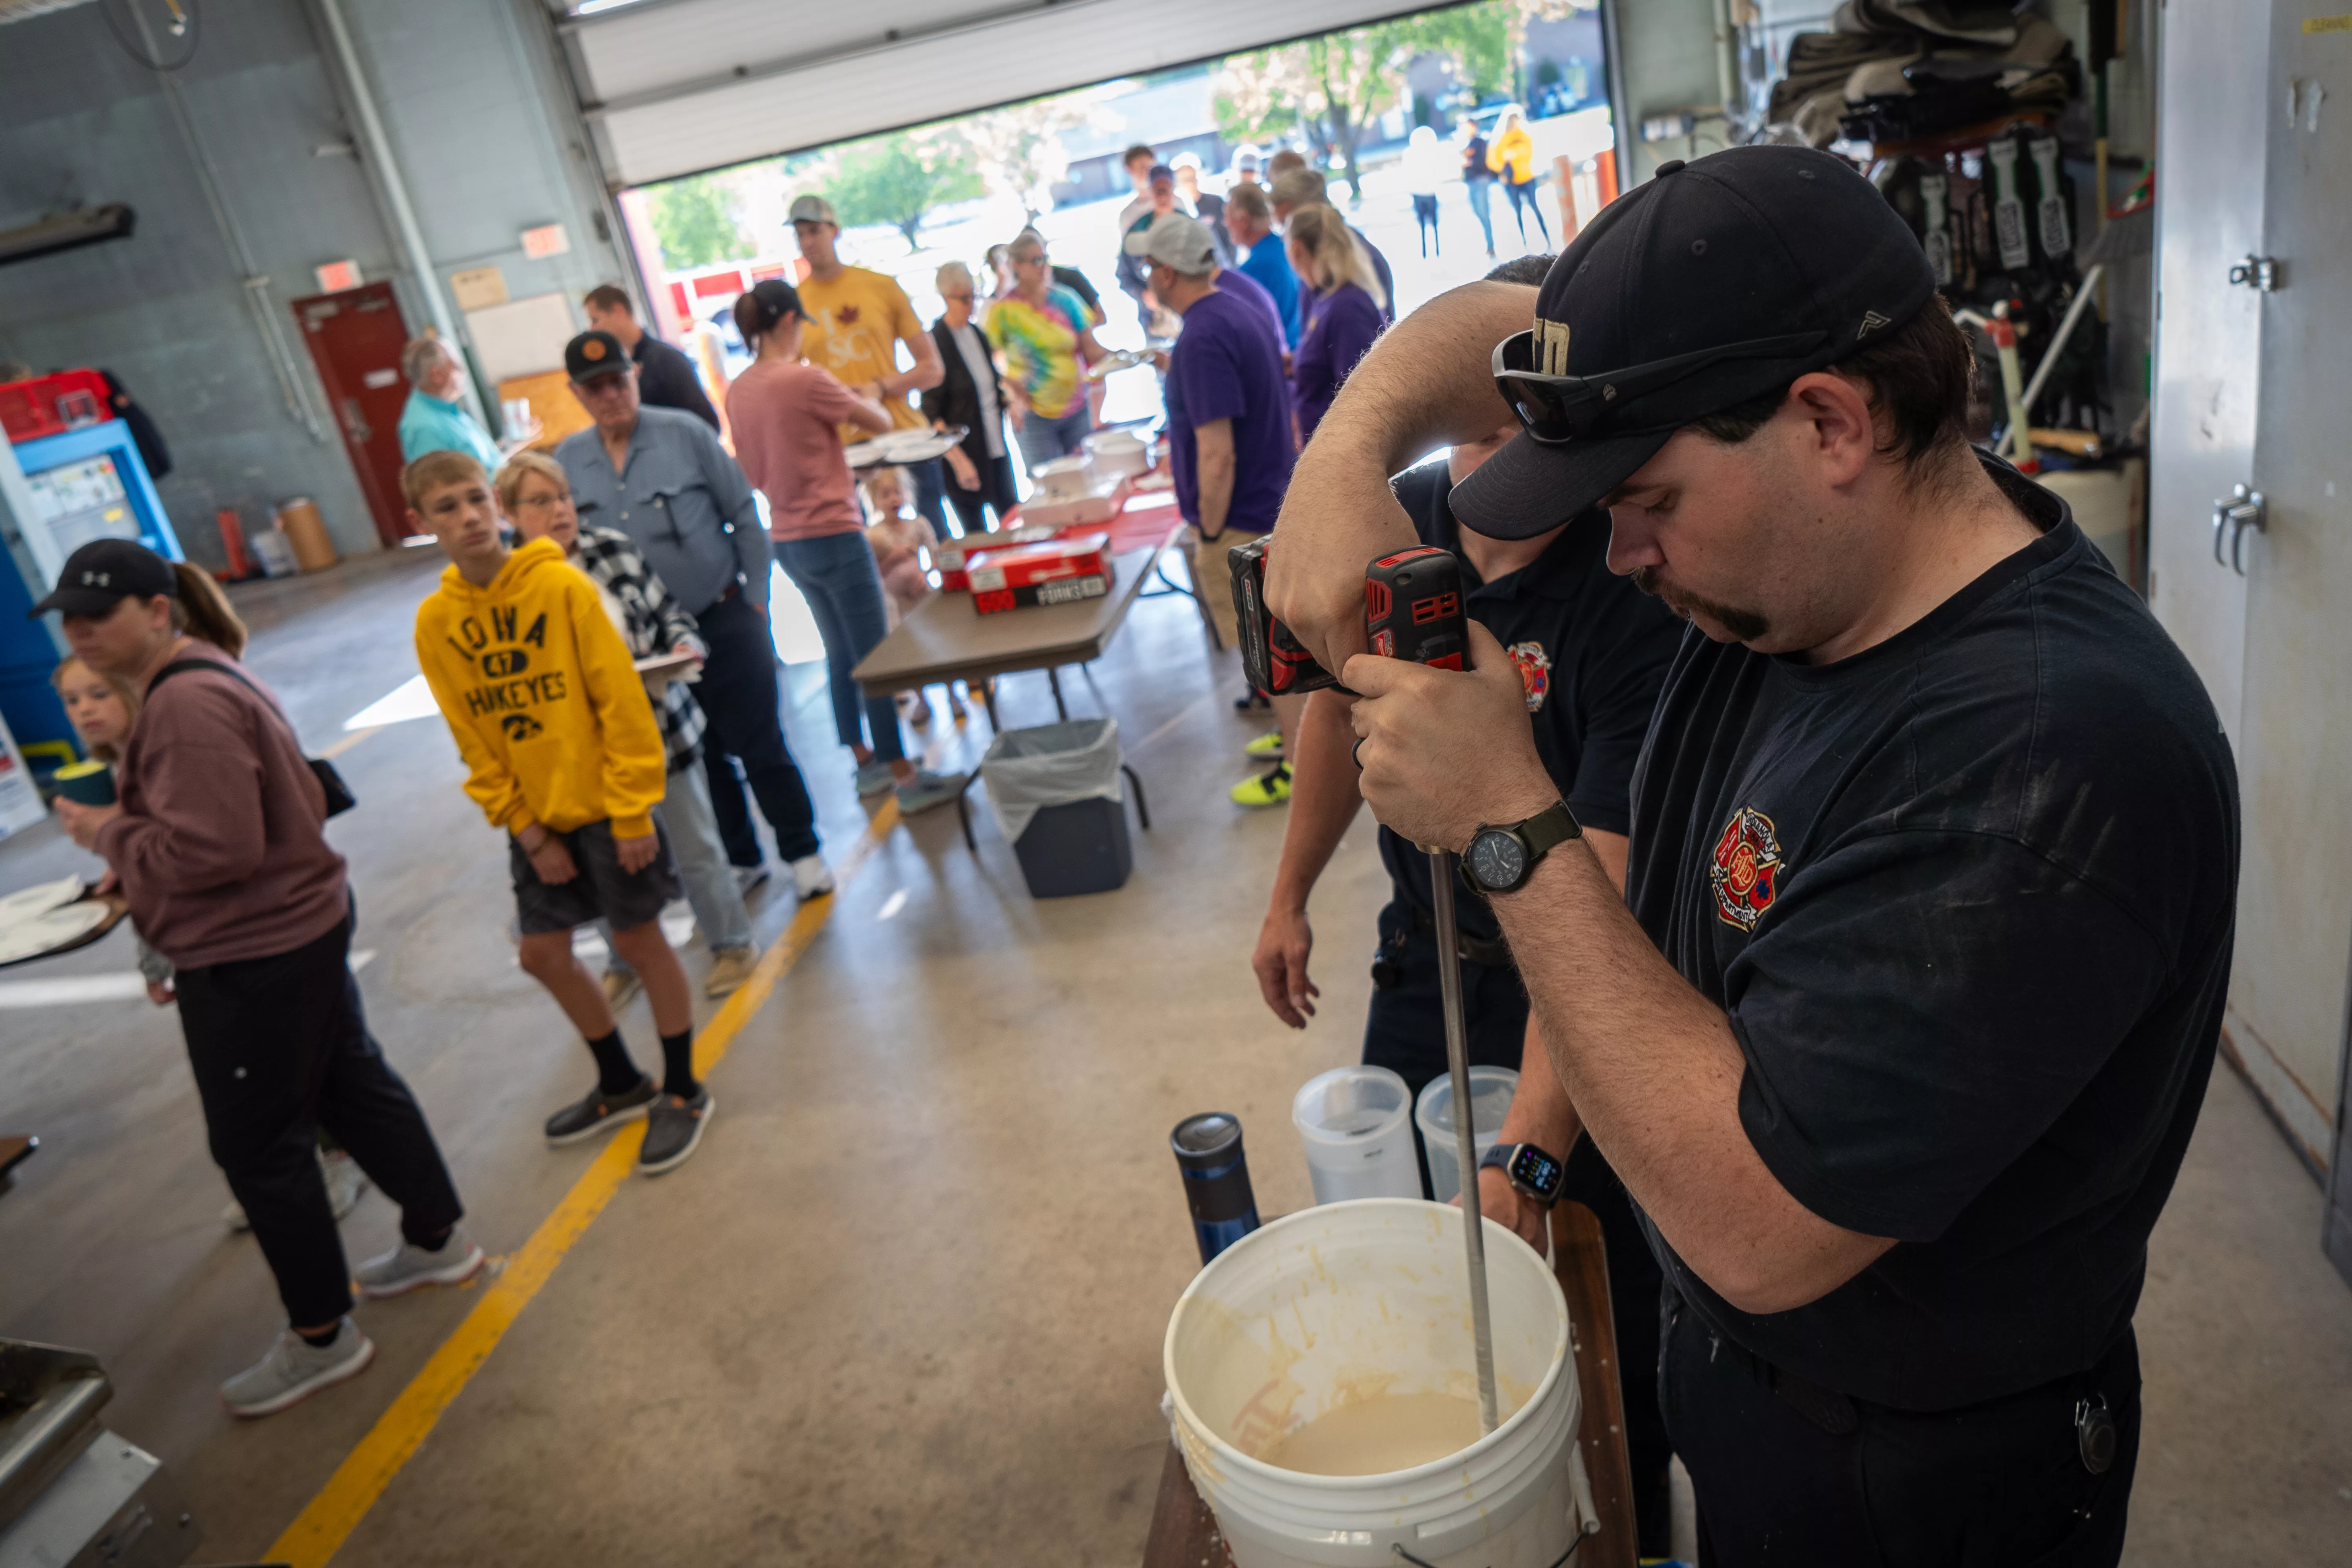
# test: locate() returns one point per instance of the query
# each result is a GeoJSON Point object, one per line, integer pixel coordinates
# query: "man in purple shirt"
{"type": "Point", "coordinates": [1241, 284]}
{"type": "Point", "coordinates": [1229, 435]}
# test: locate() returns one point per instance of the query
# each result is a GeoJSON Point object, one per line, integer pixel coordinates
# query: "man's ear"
{"type": "Point", "coordinates": [1844, 430]}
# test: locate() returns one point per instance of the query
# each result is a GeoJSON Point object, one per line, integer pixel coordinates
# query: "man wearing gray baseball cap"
{"type": "Point", "coordinates": [1901, 1026]}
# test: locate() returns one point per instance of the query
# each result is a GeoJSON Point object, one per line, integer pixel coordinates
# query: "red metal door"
{"type": "Point", "coordinates": [355, 338]}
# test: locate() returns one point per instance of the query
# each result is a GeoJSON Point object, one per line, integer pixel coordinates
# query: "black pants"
{"type": "Point", "coordinates": [1524, 201]}
{"type": "Point", "coordinates": [280, 1048]}
{"type": "Point", "coordinates": [1406, 1034]}
{"type": "Point", "coordinates": [995, 491]}
{"type": "Point", "coordinates": [1999, 1485]}
{"type": "Point", "coordinates": [1425, 222]}
{"type": "Point", "coordinates": [738, 694]}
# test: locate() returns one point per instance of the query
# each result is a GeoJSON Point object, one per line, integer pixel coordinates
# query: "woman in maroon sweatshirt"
{"type": "Point", "coordinates": [216, 835]}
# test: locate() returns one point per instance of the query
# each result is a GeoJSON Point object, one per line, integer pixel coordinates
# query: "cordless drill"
{"type": "Point", "coordinates": [1413, 610]}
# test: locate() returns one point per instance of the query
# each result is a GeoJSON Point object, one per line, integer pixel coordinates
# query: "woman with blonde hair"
{"type": "Point", "coordinates": [1512, 154]}
{"type": "Point", "coordinates": [1343, 306]}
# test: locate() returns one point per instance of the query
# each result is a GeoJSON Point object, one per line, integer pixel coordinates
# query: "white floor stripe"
{"type": "Point", "coordinates": [410, 700]}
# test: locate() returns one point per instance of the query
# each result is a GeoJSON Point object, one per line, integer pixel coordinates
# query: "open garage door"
{"type": "Point", "coordinates": [671, 87]}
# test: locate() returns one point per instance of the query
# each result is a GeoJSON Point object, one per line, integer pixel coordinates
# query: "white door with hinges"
{"type": "Point", "coordinates": [2254, 239]}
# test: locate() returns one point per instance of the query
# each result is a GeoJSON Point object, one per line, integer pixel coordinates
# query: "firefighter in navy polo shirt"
{"type": "Point", "coordinates": [1902, 1022]}
{"type": "Point", "coordinates": [1591, 651]}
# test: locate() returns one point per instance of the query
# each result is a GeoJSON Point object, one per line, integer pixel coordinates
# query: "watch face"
{"type": "Point", "coordinates": [1497, 859]}
{"type": "Point", "coordinates": [1537, 1172]}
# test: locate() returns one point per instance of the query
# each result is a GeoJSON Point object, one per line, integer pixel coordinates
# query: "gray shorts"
{"type": "Point", "coordinates": [601, 888]}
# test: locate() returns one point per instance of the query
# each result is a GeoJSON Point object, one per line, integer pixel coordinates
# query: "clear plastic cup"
{"type": "Point", "coordinates": [1354, 1122]}
{"type": "Point", "coordinates": [1490, 1100]}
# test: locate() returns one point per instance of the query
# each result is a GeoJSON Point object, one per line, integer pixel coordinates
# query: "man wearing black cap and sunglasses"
{"type": "Point", "coordinates": [1902, 1026]}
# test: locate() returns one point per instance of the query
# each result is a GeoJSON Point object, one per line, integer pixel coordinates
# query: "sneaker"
{"type": "Point", "coordinates": [750, 877]}
{"type": "Point", "coordinates": [673, 1128]}
{"type": "Point", "coordinates": [927, 790]}
{"type": "Point", "coordinates": [874, 778]}
{"type": "Point", "coordinates": [1267, 746]}
{"type": "Point", "coordinates": [345, 1181]}
{"type": "Point", "coordinates": [728, 971]}
{"type": "Point", "coordinates": [1250, 701]}
{"type": "Point", "coordinates": [620, 984]}
{"type": "Point", "coordinates": [599, 1112]}
{"type": "Point", "coordinates": [1268, 789]}
{"type": "Point", "coordinates": [812, 876]}
{"type": "Point", "coordinates": [409, 1267]}
{"type": "Point", "coordinates": [292, 1369]}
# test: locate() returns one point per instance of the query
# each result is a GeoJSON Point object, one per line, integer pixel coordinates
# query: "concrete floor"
{"type": "Point", "coordinates": [905, 1305]}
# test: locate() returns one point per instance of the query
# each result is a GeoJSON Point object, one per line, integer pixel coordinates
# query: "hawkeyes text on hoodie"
{"type": "Point", "coordinates": [540, 691]}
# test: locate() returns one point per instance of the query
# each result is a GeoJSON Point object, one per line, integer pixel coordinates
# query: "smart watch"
{"type": "Point", "coordinates": [1533, 1173]}
{"type": "Point", "coordinates": [1501, 860]}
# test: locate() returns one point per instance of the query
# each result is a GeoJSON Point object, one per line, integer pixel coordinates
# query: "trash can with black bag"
{"type": "Point", "coordinates": [1057, 792]}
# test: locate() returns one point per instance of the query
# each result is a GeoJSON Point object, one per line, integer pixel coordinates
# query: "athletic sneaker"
{"type": "Point", "coordinates": [1267, 746]}
{"type": "Point", "coordinates": [927, 790]}
{"type": "Point", "coordinates": [599, 1112]}
{"type": "Point", "coordinates": [1268, 789]}
{"type": "Point", "coordinates": [292, 1369]}
{"type": "Point", "coordinates": [345, 1182]}
{"type": "Point", "coordinates": [673, 1128]}
{"type": "Point", "coordinates": [620, 984]}
{"type": "Point", "coordinates": [874, 778]}
{"type": "Point", "coordinates": [812, 876]}
{"type": "Point", "coordinates": [409, 1267]}
{"type": "Point", "coordinates": [728, 971]}
{"type": "Point", "coordinates": [750, 877]}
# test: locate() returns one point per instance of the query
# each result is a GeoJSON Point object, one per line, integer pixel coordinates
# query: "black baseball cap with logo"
{"type": "Point", "coordinates": [1717, 281]}
{"type": "Point", "coordinates": [105, 572]}
{"type": "Point", "coordinates": [592, 355]}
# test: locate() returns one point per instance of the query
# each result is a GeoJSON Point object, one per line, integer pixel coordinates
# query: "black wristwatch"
{"type": "Point", "coordinates": [1501, 860]}
{"type": "Point", "coordinates": [1532, 1172]}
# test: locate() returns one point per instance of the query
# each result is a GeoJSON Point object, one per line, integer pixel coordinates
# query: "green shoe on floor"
{"type": "Point", "coordinates": [1267, 789]}
{"type": "Point", "coordinates": [1267, 747]}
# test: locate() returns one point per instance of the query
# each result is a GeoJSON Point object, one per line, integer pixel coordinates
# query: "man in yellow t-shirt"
{"type": "Point", "coordinates": [855, 320]}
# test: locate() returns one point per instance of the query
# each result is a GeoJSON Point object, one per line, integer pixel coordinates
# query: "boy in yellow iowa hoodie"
{"type": "Point", "coordinates": [563, 753]}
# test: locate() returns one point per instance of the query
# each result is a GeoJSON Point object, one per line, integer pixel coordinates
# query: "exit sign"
{"type": "Point", "coordinates": [337, 276]}
{"type": "Point", "coordinates": [541, 243]}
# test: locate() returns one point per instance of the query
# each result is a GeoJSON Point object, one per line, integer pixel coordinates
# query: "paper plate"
{"type": "Point", "coordinates": [39, 900]}
{"type": "Point", "coordinates": [45, 933]}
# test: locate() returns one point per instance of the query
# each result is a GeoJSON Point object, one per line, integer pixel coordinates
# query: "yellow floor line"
{"type": "Point", "coordinates": [322, 1528]}
{"type": "Point", "coordinates": [348, 742]}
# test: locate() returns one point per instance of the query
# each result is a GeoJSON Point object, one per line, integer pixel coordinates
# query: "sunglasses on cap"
{"type": "Point", "coordinates": [1557, 409]}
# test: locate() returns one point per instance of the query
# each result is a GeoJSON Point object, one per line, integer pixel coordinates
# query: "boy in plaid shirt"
{"type": "Point", "coordinates": [536, 498]}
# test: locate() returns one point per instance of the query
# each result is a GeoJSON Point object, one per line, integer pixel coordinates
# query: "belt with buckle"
{"type": "Point", "coordinates": [1478, 949]}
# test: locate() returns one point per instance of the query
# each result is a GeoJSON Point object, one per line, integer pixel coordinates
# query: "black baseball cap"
{"type": "Point", "coordinates": [1717, 281]}
{"type": "Point", "coordinates": [105, 572]}
{"type": "Point", "coordinates": [772, 300]}
{"type": "Point", "coordinates": [592, 355]}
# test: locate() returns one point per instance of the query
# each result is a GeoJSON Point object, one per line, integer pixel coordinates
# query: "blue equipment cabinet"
{"type": "Point", "coordinates": [86, 484]}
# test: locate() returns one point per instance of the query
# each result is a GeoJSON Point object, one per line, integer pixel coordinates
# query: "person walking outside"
{"type": "Point", "coordinates": [1427, 166]}
{"type": "Point", "coordinates": [971, 394]}
{"type": "Point", "coordinates": [666, 377]}
{"type": "Point", "coordinates": [662, 478]}
{"type": "Point", "coordinates": [1041, 329]}
{"type": "Point", "coordinates": [1249, 216]}
{"type": "Point", "coordinates": [1343, 311]}
{"type": "Point", "coordinates": [856, 320]}
{"type": "Point", "coordinates": [1513, 156]}
{"type": "Point", "coordinates": [535, 498]}
{"type": "Point", "coordinates": [1477, 180]}
{"type": "Point", "coordinates": [787, 416]}
{"type": "Point", "coordinates": [218, 835]}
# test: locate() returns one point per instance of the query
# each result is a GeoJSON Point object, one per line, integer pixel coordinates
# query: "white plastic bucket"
{"type": "Point", "coordinates": [1490, 1100]}
{"type": "Point", "coordinates": [1356, 1124]}
{"type": "Point", "coordinates": [1353, 1300]}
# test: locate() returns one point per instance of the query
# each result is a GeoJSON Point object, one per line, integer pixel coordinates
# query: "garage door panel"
{"type": "Point", "coordinates": [672, 123]}
{"type": "Point", "coordinates": [644, 48]}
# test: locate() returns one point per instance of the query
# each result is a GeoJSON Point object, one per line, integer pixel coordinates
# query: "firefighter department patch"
{"type": "Point", "coordinates": [1747, 869]}
{"type": "Point", "coordinates": [1535, 672]}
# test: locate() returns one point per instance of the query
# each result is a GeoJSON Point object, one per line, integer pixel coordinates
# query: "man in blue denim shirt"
{"type": "Point", "coordinates": [661, 477]}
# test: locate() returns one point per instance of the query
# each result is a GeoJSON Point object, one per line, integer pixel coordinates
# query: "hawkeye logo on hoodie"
{"type": "Point", "coordinates": [490, 642]}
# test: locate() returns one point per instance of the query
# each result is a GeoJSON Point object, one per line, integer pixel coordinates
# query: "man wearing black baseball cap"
{"type": "Point", "coordinates": [1901, 1028]}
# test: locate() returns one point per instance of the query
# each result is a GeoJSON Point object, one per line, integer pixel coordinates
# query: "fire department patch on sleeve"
{"type": "Point", "coordinates": [1535, 672]}
{"type": "Point", "coordinates": [1745, 873]}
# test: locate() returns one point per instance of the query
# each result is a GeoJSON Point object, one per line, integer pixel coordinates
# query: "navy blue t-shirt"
{"type": "Point", "coordinates": [1225, 366]}
{"type": "Point", "coordinates": [1966, 899]}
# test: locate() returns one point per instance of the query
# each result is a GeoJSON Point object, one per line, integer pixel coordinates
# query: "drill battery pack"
{"type": "Point", "coordinates": [1272, 659]}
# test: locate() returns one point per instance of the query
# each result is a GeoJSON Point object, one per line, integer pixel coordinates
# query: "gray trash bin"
{"type": "Point", "coordinates": [1057, 794]}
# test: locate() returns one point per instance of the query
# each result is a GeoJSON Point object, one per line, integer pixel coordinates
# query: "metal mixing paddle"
{"type": "Point", "coordinates": [1466, 1139]}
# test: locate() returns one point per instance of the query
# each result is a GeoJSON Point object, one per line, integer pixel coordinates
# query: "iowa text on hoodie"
{"type": "Point", "coordinates": [540, 691]}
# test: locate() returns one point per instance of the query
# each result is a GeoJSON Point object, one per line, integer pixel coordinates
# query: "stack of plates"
{"type": "Point", "coordinates": [904, 447]}
{"type": "Point", "coordinates": [43, 919]}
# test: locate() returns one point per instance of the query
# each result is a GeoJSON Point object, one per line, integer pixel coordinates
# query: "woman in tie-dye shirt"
{"type": "Point", "coordinates": [1043, 329]}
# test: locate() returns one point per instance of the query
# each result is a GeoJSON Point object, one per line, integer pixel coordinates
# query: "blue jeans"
{"type": "Point", "coordinates": [702, 868]}
{"type": "Point", "coordinates": [1482, 195]}
{"type": "Point", "coordinates": [837, 576]}
{"type": "Point", "coordinates": [1043, 440]}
